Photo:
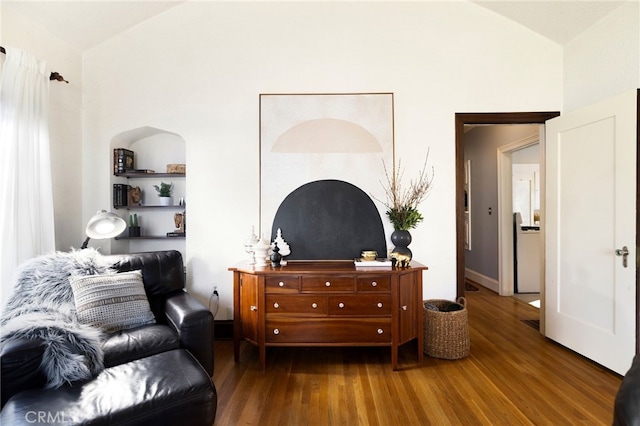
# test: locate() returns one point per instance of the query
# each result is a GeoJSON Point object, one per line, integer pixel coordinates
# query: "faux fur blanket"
{"type": "Point", "coordinates": [42, 308]}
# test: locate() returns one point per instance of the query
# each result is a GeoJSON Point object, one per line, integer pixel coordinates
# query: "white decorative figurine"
{"type": "Point", "coordinates": [261, 250]}
{"type": "Point", "coordinates": [249, 244]}
{"type": "Point", "coordinates": [285, 250]}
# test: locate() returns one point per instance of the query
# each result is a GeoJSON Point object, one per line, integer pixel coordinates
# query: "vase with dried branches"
{"type": "Point", "coordinates": [402, 204]}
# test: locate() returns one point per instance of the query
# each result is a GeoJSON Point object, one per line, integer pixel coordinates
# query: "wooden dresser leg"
{"type": "Point", "coordinates": [394, 358]}
{"type": "Point", "coordinates": [263, 357]}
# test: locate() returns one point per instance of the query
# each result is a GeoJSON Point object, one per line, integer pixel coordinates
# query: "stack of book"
{"type": "Point", "coordinates": [176, 234]}
{"type": "Point", "coordinates": [122, 160]}
{"type": "Point", "coordinates": [361, 263]}
{"type": "Point", "coordinates": [120, 195]}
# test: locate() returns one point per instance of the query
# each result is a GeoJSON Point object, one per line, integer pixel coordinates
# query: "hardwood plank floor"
{"type": "Point", "coordinates": [513, 376]}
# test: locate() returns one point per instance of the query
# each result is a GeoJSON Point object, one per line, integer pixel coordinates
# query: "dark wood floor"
{"type": "Point", "coordinates": [513, 376]}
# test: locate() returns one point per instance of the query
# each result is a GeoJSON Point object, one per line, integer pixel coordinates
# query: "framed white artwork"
{"type": "Point", "coordinates": [310, 137]}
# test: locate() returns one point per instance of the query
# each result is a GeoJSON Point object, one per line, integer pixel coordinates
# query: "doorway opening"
{"type": "Point", "coordinates": [526, 199]}
{"type": "Point", "coordinates": [466, 119]}
{"type": "Point", "coordinates": [520, 202]}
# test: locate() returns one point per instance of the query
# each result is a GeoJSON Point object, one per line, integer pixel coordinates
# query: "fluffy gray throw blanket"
{"type": "Point", "coordinates": [42, 308]}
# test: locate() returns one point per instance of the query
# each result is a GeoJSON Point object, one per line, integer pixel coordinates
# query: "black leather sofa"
{"type": "Point", "coordinates": [154, 374]}
{"type": "Point", "coordinates": [626, 410]}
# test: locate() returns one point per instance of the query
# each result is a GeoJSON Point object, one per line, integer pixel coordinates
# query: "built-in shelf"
{"type": "Point", "coordinates": [151, 153]}
{"type": "Point", "coordinates": [150, 237]}
{"type": "Point", "coordinates": [150, 175]}
{"type": "Point", "coordinates": [148, 207]}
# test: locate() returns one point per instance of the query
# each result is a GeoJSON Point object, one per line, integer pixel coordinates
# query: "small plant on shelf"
{"type": "Point", "coordinates": [133, 220]}
{"type": "Point", "coordinates": [164, 190]}
{"type": "Point", "coordinates": [134, 227]}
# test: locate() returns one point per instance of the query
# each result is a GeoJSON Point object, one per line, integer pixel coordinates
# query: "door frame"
{"type": "Point", "coordinates": [637, 221]}
{"type": "Point", "coordinates": [461, 119]}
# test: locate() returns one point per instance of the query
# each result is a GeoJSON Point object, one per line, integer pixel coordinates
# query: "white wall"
{"type": "Point", "coordinates": [604, 61]}
{"type": "Point", "coordinates": [197, 70]}
{"type": "Point", "coordinates": [65, 120]}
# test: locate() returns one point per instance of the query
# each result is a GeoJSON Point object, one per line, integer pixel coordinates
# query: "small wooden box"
{"type": "Point", "coordinates": [176, 168]}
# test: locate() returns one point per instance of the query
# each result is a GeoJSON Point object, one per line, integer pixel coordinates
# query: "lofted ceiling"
{"type": "Point", "coordinates": [84, 24]}
{"type": "Point", "coordinates": [560, 21]}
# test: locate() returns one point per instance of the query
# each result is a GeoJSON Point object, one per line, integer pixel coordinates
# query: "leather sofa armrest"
{"type": "Point", "coordinates": [626, 410]}
{"type": "Point", "coordinates": [194, 324]}
{"type": "Point", "coordinates": [20, 361]}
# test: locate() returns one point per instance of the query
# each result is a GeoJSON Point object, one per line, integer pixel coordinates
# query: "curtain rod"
{"type": "Point", "coordinates": [53, 76]}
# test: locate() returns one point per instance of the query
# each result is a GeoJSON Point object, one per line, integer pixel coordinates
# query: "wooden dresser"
{"type": "Point", "coordinates": [327, 303]}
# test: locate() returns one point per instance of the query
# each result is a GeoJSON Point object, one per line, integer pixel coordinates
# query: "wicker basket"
{"type": "Point", "coordinates": [446, 333]}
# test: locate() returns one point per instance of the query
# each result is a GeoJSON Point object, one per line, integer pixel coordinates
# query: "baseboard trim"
{"type": "Point", "coordinates": [223, 330]}
{"type": "Point", "coordinates": [483, 280]}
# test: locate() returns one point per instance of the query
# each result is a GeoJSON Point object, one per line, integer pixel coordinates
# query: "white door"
{"type": "Point", "coordinates": [590, 209]}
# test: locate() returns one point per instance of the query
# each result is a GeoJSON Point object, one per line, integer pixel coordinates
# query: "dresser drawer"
{"type": "Point", "coordinates": [288, 304]}
{"type": "Point", "coordinates": [282, 284]}
{"type": "Point", "coordinates": [374, 283]}
{"type": "Point", "coordinates": [316, 283]}
{"type": "Point", "coordinates": [363, 305]}
{"type": "Point", "coordinates": [329, 331]}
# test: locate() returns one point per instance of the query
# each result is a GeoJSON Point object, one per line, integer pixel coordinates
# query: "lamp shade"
{"type": "Point", "coordinates": [105, 224]}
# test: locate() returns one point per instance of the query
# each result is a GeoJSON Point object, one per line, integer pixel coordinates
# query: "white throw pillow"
{"type": "Point", "coordinates": [112, 302]}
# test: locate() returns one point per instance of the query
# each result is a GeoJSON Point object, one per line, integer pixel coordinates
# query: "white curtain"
{"type": "Point", "coordinates": [26, 199]}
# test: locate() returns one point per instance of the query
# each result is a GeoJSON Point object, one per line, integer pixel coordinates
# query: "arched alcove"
{"type": "Point", "coordinates": [153, 150]}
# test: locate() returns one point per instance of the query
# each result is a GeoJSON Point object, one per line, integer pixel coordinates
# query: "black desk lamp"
{"type": "Point", "coordinates": [103, 225]}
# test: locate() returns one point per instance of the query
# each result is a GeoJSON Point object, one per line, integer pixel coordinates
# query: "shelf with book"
{"type": "Point", "coordinates": [133, 193]}
{"type": "Point", "coordinates": [144, 175]}
{"type": "Point", "coordinates": [151, 237]}
{"type": "Point", "coordinates": [148, 207]}
{"type": "Point", "coordinates": [143, 159]}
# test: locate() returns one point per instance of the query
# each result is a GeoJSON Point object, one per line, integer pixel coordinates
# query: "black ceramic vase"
{"type": "Point", "coordinates": [401, 239]}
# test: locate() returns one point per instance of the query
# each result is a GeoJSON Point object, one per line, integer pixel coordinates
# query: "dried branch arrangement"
{"type": "Point", "coordinates": [402, 202]}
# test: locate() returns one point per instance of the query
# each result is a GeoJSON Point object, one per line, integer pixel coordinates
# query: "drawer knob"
{"type": "Point", "coordinates": [340, 305]}
{"type": "Point", "coordinates": [314, 305]}
{"type": "Point", "coordinates": [380, 331]}
{"type": "Point", "coordinates": [276, 331]}
{"type": "Point", "coordinates": [379, 304]}
{"type": "Point", "coordinates": [374, 284]}
{"type": "Point", "coordinates": [404, 307]}
{"type": "Point", "coordinates": [276, 305]}
{"type": "Point", "coordinates": [281, 284]}
{"type": "Point", "coordinates": [253, 308]}
{"type": "Point", "coordinates": [327, 284]}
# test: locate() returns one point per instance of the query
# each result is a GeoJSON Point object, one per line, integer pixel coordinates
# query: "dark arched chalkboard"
{"type": "Point", "coordinates": [329, 220]}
